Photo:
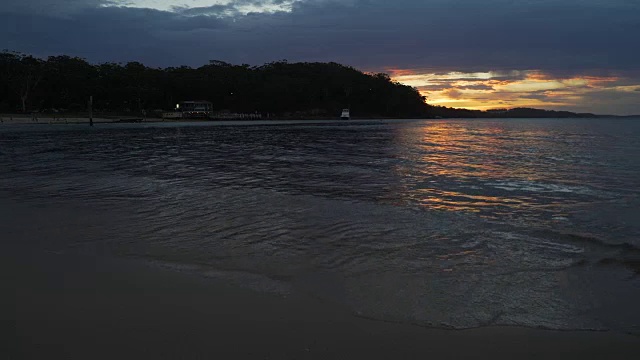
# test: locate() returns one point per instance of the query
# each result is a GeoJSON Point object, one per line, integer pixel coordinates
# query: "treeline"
{"type": "Point", "coordinates": [445, 112]}
{"type": "Point", "coordinates": [312, 90]}
{"type": "Point", "coordinates": [64, 84]}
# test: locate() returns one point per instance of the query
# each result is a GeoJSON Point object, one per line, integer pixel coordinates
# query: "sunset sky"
{"type": "Point", "coordinates": [577, 55]}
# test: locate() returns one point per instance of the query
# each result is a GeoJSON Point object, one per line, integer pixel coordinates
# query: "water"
{"type": "Point", "coordinates": [456, 224]}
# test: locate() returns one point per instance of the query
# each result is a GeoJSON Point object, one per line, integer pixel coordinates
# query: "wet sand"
{"type": "Point", "coordinates": [62, 306]}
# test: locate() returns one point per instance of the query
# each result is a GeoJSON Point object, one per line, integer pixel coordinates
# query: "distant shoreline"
{"type": "Point", "coordinates": [70, 120]}
{"type": "Point", "coordinates": [20, 119]}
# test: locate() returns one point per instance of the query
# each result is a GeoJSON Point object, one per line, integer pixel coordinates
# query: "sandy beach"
{"type": "Point", "coordinates": [79, 307]}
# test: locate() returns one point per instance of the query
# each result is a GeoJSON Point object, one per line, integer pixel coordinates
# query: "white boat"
{"type": "Point", "coordinates": [345, 114]}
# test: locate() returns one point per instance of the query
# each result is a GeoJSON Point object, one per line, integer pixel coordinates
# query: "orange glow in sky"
{"type": "Point", "coordinates": [518, 88]}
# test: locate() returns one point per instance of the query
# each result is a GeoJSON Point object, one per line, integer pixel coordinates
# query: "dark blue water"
{"type": "Point", "coordinates": [459, 223]}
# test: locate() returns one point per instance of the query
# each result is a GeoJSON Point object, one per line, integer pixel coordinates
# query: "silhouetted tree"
{"type": "Point", "coordinates": [22, 75]}
{"type": "Point", "coordinates": [280, 88]}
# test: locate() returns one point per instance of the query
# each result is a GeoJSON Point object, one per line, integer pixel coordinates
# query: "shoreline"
{"type": "Point", "coordinates": [124, 120]}
{"type": "Point", "coordinates": [76, 306]}
{"type": "Point", "coordinates": [71, 120]}
{"type": "Point", "coordinates": [157, 121]}
{"type": "Point", "coordinates": [85, 121]}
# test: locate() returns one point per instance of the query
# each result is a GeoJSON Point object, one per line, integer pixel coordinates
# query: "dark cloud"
{"type": "Point", "coordinates": [437, 87]}
{"type": "Point", "coordinates": [460, 34]}
{"type": "Point", "coordinates": [447, 85]}
{"type": "Point", "coordinates": [476, 87]}
{"type": "Point", "coordinates": [108, 34]}
{"type": "Point", "coordinates": [539, 95]}
{"type": "Point", "coordinates": [50, 7]}
{"type": "Point", "coordinates": [608, 102]}
{"type": "Point", "coordinates": [453, 94]}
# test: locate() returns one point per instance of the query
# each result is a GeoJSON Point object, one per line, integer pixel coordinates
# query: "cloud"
{"type": "Point", "coordinates": [50, 7]}
{"type": "Point", "coordinates": [476, 87]}
{"type": "Point", "coordinates": [585, 93]}
{"type": "Point", "coordinates": [607, 101]}
{"type": "Point", "coordinates": [453, 93]}
{"type": "Point", "coordinates": [466, 35]}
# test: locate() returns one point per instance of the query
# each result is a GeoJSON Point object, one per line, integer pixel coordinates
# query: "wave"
{"type": "Point", "coordinates": [244, 279]}
{"type": "Point", "coordinates": [588, 240]}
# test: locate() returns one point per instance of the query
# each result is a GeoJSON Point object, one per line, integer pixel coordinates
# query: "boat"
{"type": "Point", "coordinates": [345, 114]}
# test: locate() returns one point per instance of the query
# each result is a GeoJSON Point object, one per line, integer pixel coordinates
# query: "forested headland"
{"type": "Point", "coordinates": [63, 84]}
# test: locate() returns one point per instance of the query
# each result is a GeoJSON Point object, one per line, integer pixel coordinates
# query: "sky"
{"type": "Point", "coordinates": [576, 55]}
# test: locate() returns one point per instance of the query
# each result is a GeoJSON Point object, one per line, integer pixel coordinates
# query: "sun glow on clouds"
{"type": "Point", "coordinates": [517, 88]}
{"type": "Point", "coordinates": [224, 7]}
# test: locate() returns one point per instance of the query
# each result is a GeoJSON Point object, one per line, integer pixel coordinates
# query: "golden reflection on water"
{"type": "Point", "coordinates": [449, 161]}
{"type": "Point", "coordinates": [457, 201]}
